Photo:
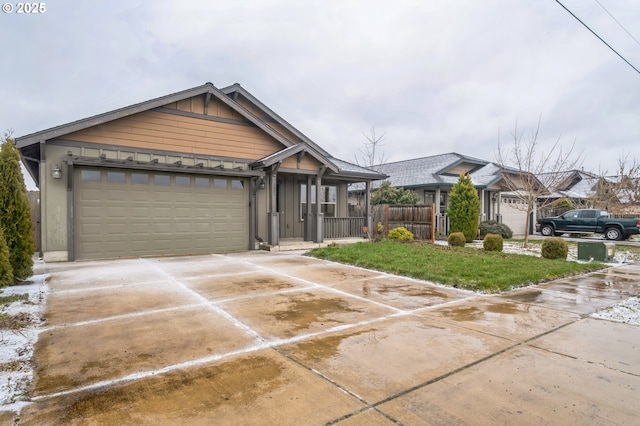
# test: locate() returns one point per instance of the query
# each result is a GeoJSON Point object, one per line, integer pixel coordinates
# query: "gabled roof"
{"type": "Point", "coordinates": [438, 170]}
{"type": "Point", "coordinates": [574, 184]}
{"type": "Point", "coordinates": [28, 144]}
{"type": "Point", "coordinates": [339, 167]}
{"type": "Point", "coordinates": [207, 88]}
{"type": "Point", "coordinates": [283, 154]}
{"type": "Point", "coordinates": [236, 89]}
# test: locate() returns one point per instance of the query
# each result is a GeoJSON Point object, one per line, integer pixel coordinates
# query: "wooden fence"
{"type": "Point", "coordinates": [419, 219]}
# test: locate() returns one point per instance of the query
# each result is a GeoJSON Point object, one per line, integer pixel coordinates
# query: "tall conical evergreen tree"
{"type": "Point", "coordinates": [6, 272]}
{"type": "Point", "coordinates": [15, 212]}
{"type": "Point", "coordinates": [464, 208]}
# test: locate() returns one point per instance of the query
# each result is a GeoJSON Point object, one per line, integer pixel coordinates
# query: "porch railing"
{"type": "Point", "coordinates": [343, 227]}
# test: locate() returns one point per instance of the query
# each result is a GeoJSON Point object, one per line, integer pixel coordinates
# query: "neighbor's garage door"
{"type": "Point", "coordinates": [122, 213]}
{"type": "Point", "coordinates": [514, 213]}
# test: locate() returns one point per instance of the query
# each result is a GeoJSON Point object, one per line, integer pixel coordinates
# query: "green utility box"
{"type": "Point", "coordinates": [600, 252]}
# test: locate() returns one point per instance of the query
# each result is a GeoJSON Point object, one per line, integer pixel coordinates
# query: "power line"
{"type": "Point", "coordinates": [618, 22]}
{"type": "Point", "coordinates": [599, 38]}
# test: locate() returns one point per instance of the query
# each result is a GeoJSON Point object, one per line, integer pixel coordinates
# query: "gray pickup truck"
{"type": "Point", "coordinates": [588, 221]}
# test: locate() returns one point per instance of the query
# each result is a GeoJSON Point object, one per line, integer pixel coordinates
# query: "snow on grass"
{"type": "Point", "coordinates": [20, 320]}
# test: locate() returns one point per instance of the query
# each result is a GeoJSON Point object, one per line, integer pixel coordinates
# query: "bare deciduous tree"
{"type": "Point", "coordinates": [371, 154]}
{"type": "Point", "coordinates": [619, 193]}
{"type": "Point", "coordinates": [530, 175]}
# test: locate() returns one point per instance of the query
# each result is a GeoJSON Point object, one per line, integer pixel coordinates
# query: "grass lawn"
{"type": "Point", "coordinates": [467, 268]}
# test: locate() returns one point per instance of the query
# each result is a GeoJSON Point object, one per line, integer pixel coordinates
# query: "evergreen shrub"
{"type": "Point", "coordinates": [464, 207]}
{"type": "Point", "coordinates": [494, 227]}
{"type": "Point", "coordinates": [400, 234]}
{"type": "Point", "coordinates": [554, 248]}
{"type": "Point", "coordinates": [15, 211]}
{"type": "Point", "coordinates": [6, 272]}
{"type": "Point", "coordinates": [456, 239]}
{"type": "Point", "coordinates": [492, 242]}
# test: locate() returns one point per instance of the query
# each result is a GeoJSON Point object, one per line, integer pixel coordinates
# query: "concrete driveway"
{"type": "Point", "coordinates": [277, 338]}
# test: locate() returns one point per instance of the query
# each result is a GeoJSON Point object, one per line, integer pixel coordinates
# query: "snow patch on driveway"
{"type": "Point", "coordinates": [627, 312]}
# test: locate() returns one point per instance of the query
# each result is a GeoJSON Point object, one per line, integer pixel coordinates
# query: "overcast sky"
{"type": "Point", "coordinates": [437, 76]}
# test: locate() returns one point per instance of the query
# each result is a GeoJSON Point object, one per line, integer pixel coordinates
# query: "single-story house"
{"type": "Point", "coordinates": [576, 185]}
{"type": "Point", "coordinates": [619, 194]}
{"type": "Point", "coordinates": [203, 170]}
{"type": "Point", "coordinates": [432, 178]}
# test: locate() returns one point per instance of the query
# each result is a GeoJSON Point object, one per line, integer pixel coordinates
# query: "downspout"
{"type": "Point", "coordinates": [308, 220]}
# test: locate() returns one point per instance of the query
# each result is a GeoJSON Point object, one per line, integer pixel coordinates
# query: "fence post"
{"type": "Point", "coordinates": [433, 223]}
{"type": "Point", "coordinates": [386, 220]}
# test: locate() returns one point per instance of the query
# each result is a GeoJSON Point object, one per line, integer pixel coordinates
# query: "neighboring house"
{"type": "Point", "coordinates": [588, 190]}
{"type": "Point", "coordinates": [576, 185]}
{"type": "Point", "coordinates": [432, 178]}
{"type": "Point", "coordinates": [203, 170]}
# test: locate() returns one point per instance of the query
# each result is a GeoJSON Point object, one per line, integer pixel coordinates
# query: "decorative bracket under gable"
{"type": "Point", "coordinates": [300, 157]}
{"type": "Point", "coordinates": [207, 99]}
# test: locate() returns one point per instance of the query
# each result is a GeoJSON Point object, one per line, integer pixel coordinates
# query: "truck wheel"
{"type": "Point", "coordinates": [626, 236]}
{"type": "Point", "coordinates": [546, 230]}
{"type": "Point", "coordinates": [613, 234]}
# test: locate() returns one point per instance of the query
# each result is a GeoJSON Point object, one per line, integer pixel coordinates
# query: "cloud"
{"type": "Point", "coordinates": [437, 76]}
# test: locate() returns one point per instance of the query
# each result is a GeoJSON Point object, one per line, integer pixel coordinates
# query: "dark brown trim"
{"type": "Point", "coordinates": [151, 166]}
{"type": "Point", "coordinates": [77, 144]}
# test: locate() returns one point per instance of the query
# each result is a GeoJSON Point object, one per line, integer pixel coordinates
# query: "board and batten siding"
{"type": "Point", "coordinates": [170, 132]}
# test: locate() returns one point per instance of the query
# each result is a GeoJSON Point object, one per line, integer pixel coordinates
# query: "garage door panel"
{"type": "Point", "coordinates": [90, 212]}
{"type": "Point", "coordinates": [117, 195]}
{"type": "Point", "coordinates": [88, 194]}
{"type": "Point", "coordinates": [184, 228]}
{"type": "Point", "coordinates": [140, 197]}
{"type": "Point", "coordinates": [139, 212]}
{"type": "Point", "coordinates": [115, 213]}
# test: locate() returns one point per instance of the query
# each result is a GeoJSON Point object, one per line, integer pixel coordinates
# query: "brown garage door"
{"type": "Point", "coordinates": [123, 213]}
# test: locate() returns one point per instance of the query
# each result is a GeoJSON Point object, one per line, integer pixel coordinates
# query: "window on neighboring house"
{"type": "Point", "coordinates": [328, 199]}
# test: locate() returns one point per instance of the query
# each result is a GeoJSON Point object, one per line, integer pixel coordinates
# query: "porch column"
{"type": "Point", "coordinates": [498, 214]}
{"type": "Point", "coordinates": [253, 188]}
{"type": "Point", "coordinates": [483, 214]}
{"type": "Point", "coordinates": [367, 204]}
{"type": "Point", "coordinates": [437, 200]}
{"type": "Point", "coordinates": [319, 237]}
{"type": "Point", "coordinates": [274, 215]}
{"type": "Point", "coordinates": [308, 218]}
